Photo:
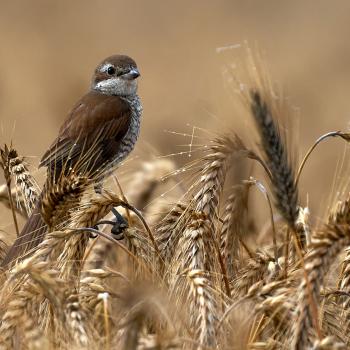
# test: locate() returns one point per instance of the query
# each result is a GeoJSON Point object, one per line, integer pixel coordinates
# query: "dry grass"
{"type": "Point", "coordinates": [188, 275]}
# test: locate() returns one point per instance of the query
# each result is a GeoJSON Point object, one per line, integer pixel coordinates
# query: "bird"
{"type": "Point", "coordinates": [98, 133]}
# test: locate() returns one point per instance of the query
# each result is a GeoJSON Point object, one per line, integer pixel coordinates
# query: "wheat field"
{"type": "Point", "coordinates": [194, 271]}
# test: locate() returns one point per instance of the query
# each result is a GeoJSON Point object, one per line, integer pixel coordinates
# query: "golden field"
{"type": "Point", "coordinates": [220, 253]}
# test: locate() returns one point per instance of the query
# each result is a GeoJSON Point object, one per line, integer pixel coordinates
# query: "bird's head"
{"type": "Point", "coordinates": [116, 75]}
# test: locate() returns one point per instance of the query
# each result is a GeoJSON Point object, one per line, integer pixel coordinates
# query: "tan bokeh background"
{"type": "Point", "coordinates": [49, 49]}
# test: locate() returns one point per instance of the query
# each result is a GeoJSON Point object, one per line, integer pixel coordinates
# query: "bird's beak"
{"type": "Point", "coordinates": [132, 74]}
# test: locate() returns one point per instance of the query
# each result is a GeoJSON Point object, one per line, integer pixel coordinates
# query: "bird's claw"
{"type": "Point", "coordinates": [119, 225]}
{"type": "Point", "coordinates": [118, 229]}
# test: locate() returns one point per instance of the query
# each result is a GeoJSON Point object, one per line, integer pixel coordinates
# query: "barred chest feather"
{"type": "Point", "coordinates": [130, 138]}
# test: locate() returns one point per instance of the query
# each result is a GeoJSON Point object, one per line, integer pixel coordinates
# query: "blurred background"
{"type": "Point", "coordinates": [49, 50]}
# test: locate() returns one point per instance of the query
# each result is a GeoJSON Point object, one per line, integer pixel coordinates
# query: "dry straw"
{"type": "Point", "coordinates": [198, 274]}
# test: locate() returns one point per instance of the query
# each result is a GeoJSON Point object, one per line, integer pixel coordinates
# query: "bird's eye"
{"type": "Point", "coordinates": [111, 70]}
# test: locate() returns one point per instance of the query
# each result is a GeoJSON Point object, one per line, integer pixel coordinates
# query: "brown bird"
{"type": "Point", "coordinates": [98, 133]}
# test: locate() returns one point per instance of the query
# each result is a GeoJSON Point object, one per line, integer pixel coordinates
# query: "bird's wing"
{"type": "Point", "coordinates": [90, 135]}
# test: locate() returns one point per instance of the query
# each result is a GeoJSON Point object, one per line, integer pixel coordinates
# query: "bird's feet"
{"type": "Point", "coordinates": [119, 225]}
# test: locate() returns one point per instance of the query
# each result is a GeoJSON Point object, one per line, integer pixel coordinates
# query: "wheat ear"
{"type": "Point", "coordinates": [275, 151]}
{"type": "Point", "coordinates": [326, 244]}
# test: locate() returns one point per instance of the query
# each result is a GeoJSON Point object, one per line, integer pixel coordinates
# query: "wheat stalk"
{"type": "Point", "coordinates": [326, 244]}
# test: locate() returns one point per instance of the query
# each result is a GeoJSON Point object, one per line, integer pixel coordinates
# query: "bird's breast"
{"type": "Point", "coordinates": [129, 140]}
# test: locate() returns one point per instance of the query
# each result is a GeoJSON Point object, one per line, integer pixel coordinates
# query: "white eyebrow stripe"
{"type": "Point", "coordinates": [105, 67]}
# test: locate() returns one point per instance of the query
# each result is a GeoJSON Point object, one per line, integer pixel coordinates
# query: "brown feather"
{"type": "Point", "coordinates": [95, 122]}
{"type": "Point", "coordinates": [30, 236]}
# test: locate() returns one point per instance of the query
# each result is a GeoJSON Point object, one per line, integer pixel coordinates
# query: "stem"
{"type": "Point", "coordinates": [223, 269]}
{"type": "Point", "coordinates": [286, 254]}
{"type": "Point", "coordinates": [306, 157]}
{"type": "Point", "coordinates": [258, 329]}
{"type": "Point", "coordinates": [254, 156]}
{"type": "Point", "coordinates": [246, 248]}
{"type": "Point", "coordinates": [262, 188]}
{"type": "Point", "coordinates": [274, 235]}
{"type": "Point", "coordinates": [139, 215]}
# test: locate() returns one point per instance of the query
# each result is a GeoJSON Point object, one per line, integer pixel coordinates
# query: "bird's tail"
{"type": "Point", "coordinates": [31, 235]}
